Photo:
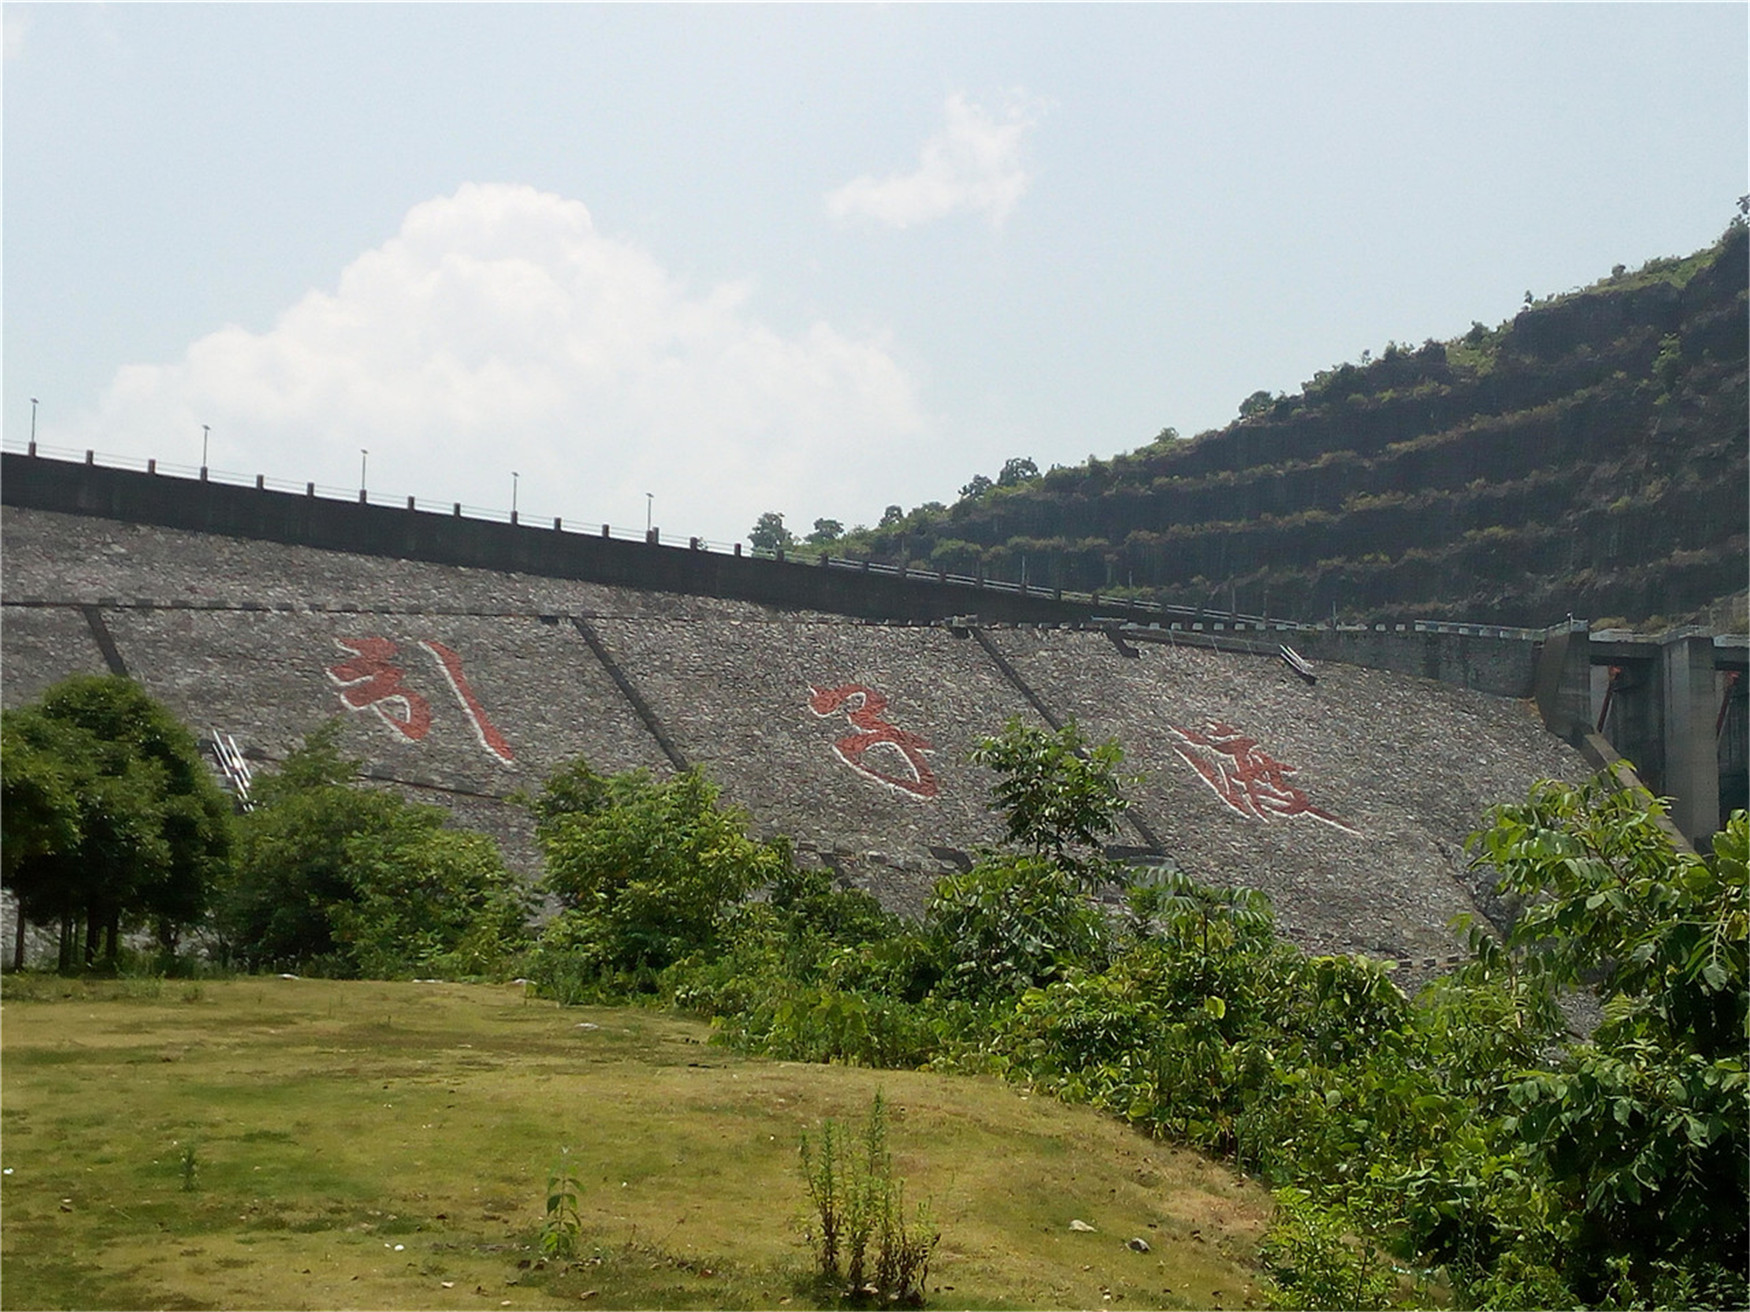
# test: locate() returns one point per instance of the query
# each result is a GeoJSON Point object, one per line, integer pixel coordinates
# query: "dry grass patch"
{"type": "Point", "coordinates": [388, 1145]}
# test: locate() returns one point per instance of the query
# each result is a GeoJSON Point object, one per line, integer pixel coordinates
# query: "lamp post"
{"type": "Point", "coordinates": [33, 421]}
{"type": "Point", "coordinates": [649, 510]}
{"type": "Point", "coordinates": [514, 476]}
{"type": "Point", "coordinates": [206, 432]}
{"type": "Point", "coordinates": [363, 456]}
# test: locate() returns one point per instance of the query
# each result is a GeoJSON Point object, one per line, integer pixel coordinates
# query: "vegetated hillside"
{"type": "Point", "coordinates": [1586, 457]}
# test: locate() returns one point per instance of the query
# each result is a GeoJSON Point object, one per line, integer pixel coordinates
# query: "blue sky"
{"type": "Point", "coordinates": [808, 259]}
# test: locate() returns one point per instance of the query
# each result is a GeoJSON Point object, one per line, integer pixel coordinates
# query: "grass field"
{"type": "Point", "coordinates": [280, 1143]}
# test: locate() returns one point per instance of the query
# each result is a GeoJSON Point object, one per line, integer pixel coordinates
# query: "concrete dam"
{"type": "Point", "coordinates": [1346, 796]}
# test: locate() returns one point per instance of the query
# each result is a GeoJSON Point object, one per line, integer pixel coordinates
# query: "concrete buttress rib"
{"type": "Point", "coordinates": [112, 655]}
{"type": "Point", "coordinates": [641, 707]}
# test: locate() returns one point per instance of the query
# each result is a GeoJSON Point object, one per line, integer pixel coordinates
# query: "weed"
{"type": "Point", "coordinates": [560, 1231]}
{"type": "Point", "coordinates": [190, 1169]}
{"type": "Point", "coordinates": [856, 1201]}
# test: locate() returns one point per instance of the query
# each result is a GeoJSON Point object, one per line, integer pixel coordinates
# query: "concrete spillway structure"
{"type": "Point", "coordinates": [1348, 799]}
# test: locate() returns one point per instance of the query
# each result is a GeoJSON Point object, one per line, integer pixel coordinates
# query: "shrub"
{"type": "Point", "coordinates": [335, 879]}
{"type": "Point", "coordinates": [1314, 1263]}
{"type": "Point", "coordinates": [1012, 923]}
{"type": "Point", "coordinates": [646, 873]}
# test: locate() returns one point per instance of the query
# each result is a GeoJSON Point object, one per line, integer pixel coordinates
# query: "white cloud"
{"type": "Point", "coordinates": [14, 24]}
{"type": "Point", "coordinates": [499, 330]}
{"type": "Point", "coordinates": [974, 163]}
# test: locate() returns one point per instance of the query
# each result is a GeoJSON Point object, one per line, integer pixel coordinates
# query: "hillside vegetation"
{"type": "Point", "coordinates": [1586, 457]}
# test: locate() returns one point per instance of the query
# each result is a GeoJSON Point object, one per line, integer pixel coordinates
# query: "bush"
{"type": "Point", "coordinates": [1643, 1130]}
{"type": "Point", "coordinates": [810, 1023]}
{"type": "Point", "coordinates": [1314, 1263]}
{"type": "Point", "coordinates": [335, 879]}
{"type": "Point", "coordinates": [1012, 923]}
{"type": "Point", "coordinates": [649, 872]}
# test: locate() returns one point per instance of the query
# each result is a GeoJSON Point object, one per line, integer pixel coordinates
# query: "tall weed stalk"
{"type": "Point", "coordinates": [863, 1241]}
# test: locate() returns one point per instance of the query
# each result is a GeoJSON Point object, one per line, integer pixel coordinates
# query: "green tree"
{"type": "Point", "coordinates": [292, 862]}
{"type": "Point", "coordinates": [120, 822]}
{"type": "Point", "coordinates": [891, 516]}
{"type": "Point", "coordinates": [769, 533]}
{"type": "Point", "coordinates": [341, 879]}
{"type": "Point", "coordinates": [1017, 470]}
{"type": "Point", "coordinates": [1642, 1130]}
{"type": "Point", "coordinates": [1056, 793]}
{"type": "Point", "coordinates": [1256, 404]}
{"type": "Point", "coordinates": [650, 874]}
{"type": "Point", "coordinates": [572, 790]}
{"type": "Point", "coordinates": [39, 818]}
{"type": "Point", "coordinates": [976, 487]}
{"type": "Point", "coordinates": [826, 532]}
{"type": "Point", "coordinates": [427, 900]}
{"type": "Point", "coordinates": [1010, 923]}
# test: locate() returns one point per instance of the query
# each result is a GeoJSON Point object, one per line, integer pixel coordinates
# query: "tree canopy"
{"type": "Point", "coordinates": [826, 532]}
{"type": "Point", "coordinates": [111, 818]}
{"type": "Point", "coordinates": [645, 870]}
{"type": "Point", "coordinates": [769, 533]}
{"type": "Point", "coordinates": [339, 879]}
{"type": "Point", "coordinates": [1056, 794]}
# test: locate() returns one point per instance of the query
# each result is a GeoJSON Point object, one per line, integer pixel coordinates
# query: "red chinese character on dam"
{"type": "Point", "coordinates": [862, 706]}
{"type": "Point", "coordinates": [370, 681]}
{"type": "Point", "coordinates": [451, 664]}
{"type": "Point", "coordinates": [1244, 776]}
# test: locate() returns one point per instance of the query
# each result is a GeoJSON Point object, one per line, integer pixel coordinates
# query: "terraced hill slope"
{"type": "Point", "coordinates": [1587, 457]}
{"type": "Point", "coordinates": [1348, 799]}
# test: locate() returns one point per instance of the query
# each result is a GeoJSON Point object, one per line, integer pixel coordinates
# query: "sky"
{"type": "Point", "coordinates": [704, 262]}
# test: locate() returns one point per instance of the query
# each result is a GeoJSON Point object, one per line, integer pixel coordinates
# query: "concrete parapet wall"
{"type": "Point", "coordinates": [1485, 658]}
{"type": "Point", "coordinates": [410, 534]}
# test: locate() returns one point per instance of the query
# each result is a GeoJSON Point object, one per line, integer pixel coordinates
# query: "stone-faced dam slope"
{"type": "Point", "coordinates": [1348, 800]}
